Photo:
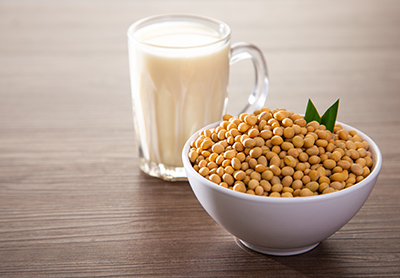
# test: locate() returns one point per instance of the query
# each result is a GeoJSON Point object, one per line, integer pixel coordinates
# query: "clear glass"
{"type": "Point", "coordinates": [179, 70]}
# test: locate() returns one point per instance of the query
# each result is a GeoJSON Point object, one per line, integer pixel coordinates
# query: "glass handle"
{"type": "Point", "coordinates": [241, 51]}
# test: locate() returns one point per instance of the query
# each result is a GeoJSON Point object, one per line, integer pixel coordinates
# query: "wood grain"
{"type": "Point", "coordinates": [73, 202]}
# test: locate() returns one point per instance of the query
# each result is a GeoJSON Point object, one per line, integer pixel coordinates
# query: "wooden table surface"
{"type": "Point", "coordinates": [73, 202]}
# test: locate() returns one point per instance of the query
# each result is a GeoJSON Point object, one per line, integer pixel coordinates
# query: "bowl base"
{"type": "Point", "coordinates": [279, 252]}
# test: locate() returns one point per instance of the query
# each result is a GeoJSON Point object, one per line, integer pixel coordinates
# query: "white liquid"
{"type": "Point", "coordinates": [176, 89]}
{"type": "Point", "coordinates": [177, 35]}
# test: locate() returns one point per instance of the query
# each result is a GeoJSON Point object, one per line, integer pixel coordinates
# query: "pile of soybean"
{"type": "Point", "coordinates": [276, 153]}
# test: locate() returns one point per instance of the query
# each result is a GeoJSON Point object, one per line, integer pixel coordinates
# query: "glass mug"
{"type": "Point", "coordinates": [179, 71]}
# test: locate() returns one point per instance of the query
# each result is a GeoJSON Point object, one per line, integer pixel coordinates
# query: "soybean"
{"type": "Point", "coordinates": [276, 153]}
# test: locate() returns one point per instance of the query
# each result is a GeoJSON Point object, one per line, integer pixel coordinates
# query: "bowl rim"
{"type": "Point", "coordinates": [377, 158]}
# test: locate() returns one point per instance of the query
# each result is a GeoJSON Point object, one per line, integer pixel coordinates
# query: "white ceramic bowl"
{"type": "Point", "coordinates": [281, 226]}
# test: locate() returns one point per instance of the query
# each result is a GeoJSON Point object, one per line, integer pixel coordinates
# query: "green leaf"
{"type": "Point", "coordinates": [311, 113]}
{"type": "Point", "coordinates": [330, 115]}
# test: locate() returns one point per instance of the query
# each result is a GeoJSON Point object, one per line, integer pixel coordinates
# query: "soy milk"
{"type": "Point", "coordinates": [179, 76]}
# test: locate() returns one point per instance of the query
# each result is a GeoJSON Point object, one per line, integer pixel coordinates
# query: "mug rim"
{"type": "Point", "coordinates": [141, 23]}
